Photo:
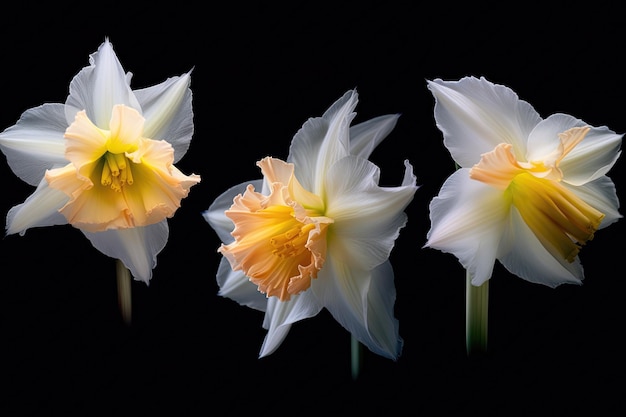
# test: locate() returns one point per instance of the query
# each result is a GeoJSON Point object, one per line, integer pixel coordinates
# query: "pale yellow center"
{"type": "Point", "coordinates": [116, 178]}
{"type": "Point", "coordinates": [561, 220]}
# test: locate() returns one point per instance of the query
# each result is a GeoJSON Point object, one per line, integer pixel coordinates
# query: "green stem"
{"type": "Point", "coordinates": [476, 316]}
{"type": "Point", "coordinates": [124, 291]}
{"type": "Point", "coordinates": [357, 358]}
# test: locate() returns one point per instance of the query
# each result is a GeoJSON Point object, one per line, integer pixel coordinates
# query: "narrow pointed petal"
{"type": "Point", "coordinates": [363, 303]}
{"type": "Point", "coordinates": [99, 87]}
{"type": "Point", "coordinates": [467, 220]}
{"type": "Point", "coordinates": [237, 286]}
{"type": "Point", "coordinates": [366, 136]}
{"type": "Point", "coordinates": [35, 143]}
{"type": "Point", "coordinates": [529, 260]}
{"type": "Point", "coordinates": [137, 247]}
{"type": "Point", "coordinates": [281, 315]}
{"type": "Point", "coordinates": [167, 108]}
{"type": "Point", "coordinates": [476, 115]}
{"type": "Point", "coordinates": [40, 209]}
{"type": "Point", "coordinates": [215, 215]}
{"type": "Point", "coordinates": [321, 142]}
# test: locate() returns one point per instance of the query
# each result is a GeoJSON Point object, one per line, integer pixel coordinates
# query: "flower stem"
{"type": "Point", "coordinates": [124, 291]}
{"type": "Point", "coordinates": [476, 316]}
{"type": "Point", "coordinates": [357, 358]}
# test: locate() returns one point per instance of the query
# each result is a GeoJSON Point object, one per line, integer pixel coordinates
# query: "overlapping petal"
{"type": "Point", "coordinates": [475, 116]}
{"type": "Point", "coordinates": [485, 213]}
{"type": "Point", "coordinates": [328, 178]}
{"type": "Point", "coordinates": [41, 147]}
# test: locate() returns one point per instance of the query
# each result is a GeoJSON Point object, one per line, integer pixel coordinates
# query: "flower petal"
{"type": "Point", "coordinates": [215, 215]}
{"type": "Point", "coordinates": [528, 259]}
{"type": "Point", "coordinates": [281, 315]}
{"type": "Point", "coordinates": [363, 303]}
{"type": "Point", "coordinates": [321, 142]}
{"type": "Point", "coordinates": [237, 286]}
{"type": "Point", "coordinates": [368, 218]}
{"type": "Point", "coordinates": [366, 136]}
{"type": "Point", "coordinates": [475, 115]}
{"type": "Point", "coordinates": [467, 220]}
{"type": "Point", "coordinates": [167, 108]}
{"type": "Point", "coordinates": [601, 195]}
{"type": "Point", "coordinates": [40, 209]}
{"type": "Point", "coordinates": [136, 247]}
{"type": "Point", "coordinates": [99, 87]}
{"type": "Point", "coordinates": [35, 143]}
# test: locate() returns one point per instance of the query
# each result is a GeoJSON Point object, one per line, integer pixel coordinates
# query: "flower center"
{"type": "Point", "coordinates": [292, 242]}
{"type": "Point", "coordinates": [98, 177]}
{"type": "Point", "coordinates": [561, 220]}
{"type": "Point", "coordinates": [116, 171]}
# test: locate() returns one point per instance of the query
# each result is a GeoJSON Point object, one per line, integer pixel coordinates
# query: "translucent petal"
{"type": "Point", "coordinates": [368, 218]}
{"type": "Point", "coordinates": [601, 195]}
{"type": "Point", "coordinates": [366, 136]}
{"type": "Point", "coordinates": [467, 220]}
{"type": "Point", "coordinates": [100, 86]}
{"type": "Point", "coordinates": [475, 115]}
{"type": "Point", "coordinates": [280, 315]}
{"type": "Point", "coordinates": [528, 259]}
{"type": "Point", "coordinates": [167, 108]}
{"type": "Point", "coordinates": [363, 303]}
{"type": "Point", "coordinates": [237, 286]}
{"type": "Point", "coordinates": [137, 248]}
{"type": "Point", "coordinates": [215, 214]}
{"type": "Point", "coordinates": [321, 142]}
{"type": "Point", "coordinates": [40, 209]}
{"type": "Point", "coordinates": [35, 143]}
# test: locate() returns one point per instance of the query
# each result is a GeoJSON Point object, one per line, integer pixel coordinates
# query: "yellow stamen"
{"type": "Point", "coordinates": [561, 221]}
{"type": "Point", "coordinates": [112, 162]}
{"type": "Point", "coordinates": [105, 178]}
{"type": "Point", "coordinates": [292, 242]}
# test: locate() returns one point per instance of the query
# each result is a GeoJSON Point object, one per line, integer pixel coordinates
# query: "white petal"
{"type": "Point", "coordinates": [237, 286]}
{"type": "Point", "coordinates": [281, 315]}
{"type": "Point", "coordinates": [367, 218]}
{"type": "Point", "coordinates": [468, 220]}
{"type": "Point", "coordinates": [136, 247]}
{"type": "Point", "coordinates": [215, 216]}
{"type": "Point", "coordinates": [475, 115]}
{"type": "Point", "coordinates": [528, 259]}
{"type": "Point", "coordinates": [35, 143]}
{"type": "Point", "coordinates": [593, 157]}
{"type": "Point", "coordinates": [167, 108]}
{"type": "Point", "coordinates": [363, 303]}
{"type": "Point", "coordinates": [40, 209]}
{"type": "Point", "coordinates": [99, 87]}
{"type": "Point", "coordinates": [544, 138]}
{"type": "Point", "coordinates": [600, 194]}
{"type": "Point", "coordinates": [365, 137]}
{"type": "Point", "coordinates": [321, 142]}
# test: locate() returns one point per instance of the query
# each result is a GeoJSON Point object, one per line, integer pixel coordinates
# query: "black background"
{"type": "Point", "coordinates": [259, 71]}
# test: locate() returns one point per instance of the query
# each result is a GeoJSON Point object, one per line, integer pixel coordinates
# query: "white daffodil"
{"type": "Point", "coordinates": [530, 192]}
{"type": "Point", "coordinates": [104, 161]}
{"type": "Point", "coordinates": [317, 231]}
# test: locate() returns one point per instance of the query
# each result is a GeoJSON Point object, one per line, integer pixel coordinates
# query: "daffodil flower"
{"type": "Point", "coordinates": [317, 231]}
{"type": "Point", "coordinates": [529, 192]}
{"type": "Point", "coordinates": [104, 161]}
